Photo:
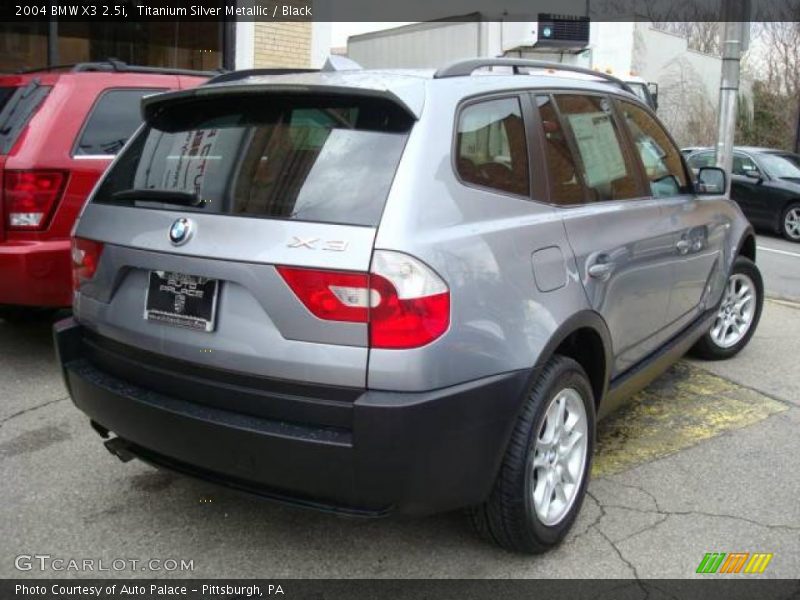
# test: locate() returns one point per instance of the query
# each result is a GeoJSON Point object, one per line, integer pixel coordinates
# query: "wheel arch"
{"type": "Point", "coordinates": [747, 245]}
{"type": "Point", "coordinates": [585, 338]}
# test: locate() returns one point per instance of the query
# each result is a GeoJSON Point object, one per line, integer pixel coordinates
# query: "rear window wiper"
{"type": "Point", "coordinates": [163, 196]}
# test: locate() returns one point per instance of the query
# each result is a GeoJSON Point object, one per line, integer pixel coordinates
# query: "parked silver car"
{"type": "Point", "coordinates": [376, 291]}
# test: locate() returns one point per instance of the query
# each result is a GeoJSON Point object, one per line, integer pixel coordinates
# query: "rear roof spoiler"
{"type": "Point", "coordinates": [151, 105]}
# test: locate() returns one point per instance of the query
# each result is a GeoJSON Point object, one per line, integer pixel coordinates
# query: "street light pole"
{"type": "Point", "coordinates": [735, 17]}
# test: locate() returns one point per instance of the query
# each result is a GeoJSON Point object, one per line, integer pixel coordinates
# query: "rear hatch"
{"type": "Point", "coordinates": [209, 236]}
{"type": "Point", "coordinates": [20, 98]}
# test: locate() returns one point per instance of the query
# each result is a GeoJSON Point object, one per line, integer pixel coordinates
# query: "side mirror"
{"type": "Point", "coordinates": [711, 181]}
{"type": "Point", "coordinates": [652, 87]}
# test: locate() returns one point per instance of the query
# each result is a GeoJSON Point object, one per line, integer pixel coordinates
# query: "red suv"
{"type": "Point", "coordinates": [59, 130]}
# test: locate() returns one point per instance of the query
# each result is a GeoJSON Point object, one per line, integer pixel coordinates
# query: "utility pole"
{"type": "Point", "coordinates": [735, 34]}
{"type": "Point", "coordinates": [797, 131]}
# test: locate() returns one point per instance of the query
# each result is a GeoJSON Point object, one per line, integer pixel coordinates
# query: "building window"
{"type": "Point", "coordinates": [185, 45]}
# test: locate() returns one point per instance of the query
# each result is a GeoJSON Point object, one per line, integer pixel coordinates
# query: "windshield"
{"type": "Point", "coordinates": [781, 166]}
{"type": "Point", "coordinates": [309, 158]}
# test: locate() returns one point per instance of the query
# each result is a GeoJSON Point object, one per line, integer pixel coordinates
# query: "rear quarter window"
{"type": "Point", "coordinates": [113, 119]}
{"type": "Point", "coordinates": [310, 158]}
{"type": "Point", "coordinates": [491, 146]}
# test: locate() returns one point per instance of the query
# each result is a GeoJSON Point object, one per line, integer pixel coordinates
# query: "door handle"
{"type": "Point", "coordinates": [601, 270]}
{"type": "Point", "coordinates": [683, 246]}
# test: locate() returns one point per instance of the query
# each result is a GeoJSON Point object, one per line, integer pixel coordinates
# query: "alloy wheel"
{"type": "Point", "coordinates": [559, 457]}
{"type": "Point", "coordinates": [791, 223]}
{"type": "Point", "coordinates": [735, 315]}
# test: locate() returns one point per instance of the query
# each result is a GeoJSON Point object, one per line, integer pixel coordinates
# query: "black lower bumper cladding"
{"type": "Point", "coordinates": [367, 454]}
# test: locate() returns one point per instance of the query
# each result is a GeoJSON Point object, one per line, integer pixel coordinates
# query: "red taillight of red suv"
{"type": "Point", "coordinates": [85, 258]}
{"type": "Point", "coordinates": [405, 303]}
{"type": "Point", "coordinates": [29, 198]}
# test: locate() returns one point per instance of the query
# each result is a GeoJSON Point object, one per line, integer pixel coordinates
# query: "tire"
{"type": "Point", "coordinates": [716, 345]}
{"type": "Point", "coordinates": [510, 517]}
{"type": "Point", "coordinates": [790, 222]}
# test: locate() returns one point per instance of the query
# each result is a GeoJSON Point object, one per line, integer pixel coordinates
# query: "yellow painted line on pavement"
{"type": "Point", "coordinates": [683, 407]}
{"type": "Point", "coordinates": [783, 302]}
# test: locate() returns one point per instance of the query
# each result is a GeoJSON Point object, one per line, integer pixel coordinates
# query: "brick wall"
{"type": "Point", "coordinates": [282, 44]}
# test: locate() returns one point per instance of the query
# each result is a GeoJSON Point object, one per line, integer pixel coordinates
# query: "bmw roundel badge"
{"type": "Point", "coordinates": [180, 232]}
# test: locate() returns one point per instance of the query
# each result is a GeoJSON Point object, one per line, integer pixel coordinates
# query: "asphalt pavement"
{"type": "Point", "coordinates": [705, 460]}
{"type": "Point", "coordinates": [779, 261]}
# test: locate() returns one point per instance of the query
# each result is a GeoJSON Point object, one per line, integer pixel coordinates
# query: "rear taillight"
{"type": "Point", "coordinates": [29, 197]}
{"type": "Point", "coordinates": [414, 307]}
{"type": "Point", "coordinates": [330, 295]}
{"type": "Point", "coordinates": [85, 257]}
{"type": "Point", "coordinates": [404, 302]}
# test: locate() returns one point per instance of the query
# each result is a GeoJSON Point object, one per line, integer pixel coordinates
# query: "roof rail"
{"type": "Point", "coordinates": [463, 68]}
{"type": "Point", "coordinates": [237, 75]}
{"type": "Point", "coordinates": [115, 65]}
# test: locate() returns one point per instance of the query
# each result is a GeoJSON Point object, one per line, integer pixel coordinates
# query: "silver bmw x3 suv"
{"type": "Point", "coordinates": [412, 291]}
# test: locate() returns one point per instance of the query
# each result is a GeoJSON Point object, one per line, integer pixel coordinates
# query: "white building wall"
{"type": "Point", "coordinates": [611, 46]}
{"type": "Point", "coordinates": [420, 45]}
{"type": "Point", "coordinates": [245, 39]}
{"type": "Point", "coordinates": [688, 83]}
{"type": "Point", "coordinates": [321, 36]}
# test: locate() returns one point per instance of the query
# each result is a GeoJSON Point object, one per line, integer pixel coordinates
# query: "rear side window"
{"type": "Point", "coordinates": [17, 112]}
{"type": "Point", "coordinates": [113, 119]}
{"type": "Point", "coordinates": [607, 169]}
{"type": "Point", "coordinates": [310, 158]}
{"type": "Point", "coordinates": [491, 146]}
{"type": "Point", "coordinates": [661, 159]}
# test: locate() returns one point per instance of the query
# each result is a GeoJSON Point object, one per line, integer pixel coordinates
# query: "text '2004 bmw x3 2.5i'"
{"type": "Point", "coordinates": [376, 291]}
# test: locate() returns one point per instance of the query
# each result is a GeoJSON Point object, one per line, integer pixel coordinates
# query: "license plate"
{"type": "Point", "coordinates": [181, 300]}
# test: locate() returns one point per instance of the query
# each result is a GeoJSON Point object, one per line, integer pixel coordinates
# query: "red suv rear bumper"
{"type": "Point", "coordinates": [35, 273]}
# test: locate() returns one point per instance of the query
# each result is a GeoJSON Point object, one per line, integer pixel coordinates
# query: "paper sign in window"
{"type": "Point", "coordinates": [599, 148]}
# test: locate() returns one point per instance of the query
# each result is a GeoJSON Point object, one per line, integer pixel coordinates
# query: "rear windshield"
{"type": "Point", "coordinates": [310, 158]}
{"type": "Point", "coordinates": [20, 106]}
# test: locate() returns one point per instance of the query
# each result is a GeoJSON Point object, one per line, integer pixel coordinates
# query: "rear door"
{"type": "Point", "coordinates": [621, 240]}
{"type": "Point", "coordinates": [211, 199]}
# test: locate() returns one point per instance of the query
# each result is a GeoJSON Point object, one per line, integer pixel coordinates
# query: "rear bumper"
{"type": "Point", "coordinates": [377, 452]}
{"type": "Point", "coordinates": [35, 273]}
